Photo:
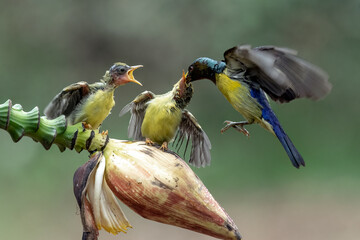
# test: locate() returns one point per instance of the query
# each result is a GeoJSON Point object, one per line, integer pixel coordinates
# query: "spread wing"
{"type": "Point", "coordinates": [190, 129]}
{"type": "Point", "coordinates": [278, 71]}
{"type": "Point", "coordinates": [137, 107]}
{"type": "Point", "coordinates": [67, 100]}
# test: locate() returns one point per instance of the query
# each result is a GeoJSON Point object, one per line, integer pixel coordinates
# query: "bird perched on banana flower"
{"type": "Point", "coordinates": [91, 103]}
{"type": "Point", "coordinates": [248, 74]}
{"type": "Point", "coordinates": [158, 185]}
{"type": "Point", "coordinates": [156, 118]}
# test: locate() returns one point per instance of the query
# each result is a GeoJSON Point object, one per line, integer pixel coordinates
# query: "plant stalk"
{"type": "Point", "coordinates": [19, 123]}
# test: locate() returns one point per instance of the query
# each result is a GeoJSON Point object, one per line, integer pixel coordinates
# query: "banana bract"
{"type": "Point", "coordinates": [157, 185]}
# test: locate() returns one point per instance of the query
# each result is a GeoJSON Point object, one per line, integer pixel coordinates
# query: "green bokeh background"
{"type": "Point", "coordinates": [47, 45]}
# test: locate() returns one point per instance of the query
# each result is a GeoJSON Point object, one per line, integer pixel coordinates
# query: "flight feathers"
{"type": "Point", "coordinates": [67, 100]}
{"type": "Point", "coordinates": [278, 71]}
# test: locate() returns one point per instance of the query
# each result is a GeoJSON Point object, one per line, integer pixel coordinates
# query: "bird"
{"type": "Point", "coordinates": [248, 76]}
{"type": "Point", "coordinates": [91, 103]}
{"type": "Point", "coordinates": [157, 118]}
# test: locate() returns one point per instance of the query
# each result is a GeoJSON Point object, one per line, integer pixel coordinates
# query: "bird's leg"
{"type": "Point", "coordinates": [164, 146]}
{"type": "Point", "coordinates": [237, 125]}
{"type": "Point", "coordinates": [86, 125]}
{"type": "Point", "coordinates": [149, 142]}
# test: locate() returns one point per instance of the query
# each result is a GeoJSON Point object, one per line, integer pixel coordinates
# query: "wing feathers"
{"type": "Point", "coordinates": [66, 101]}
{"type": "Point", "coordinates": [278, 71]}
{"type": "Point", "coordinates": [200, 149]}
{"type": "Point", "coordinates": [137, 107]}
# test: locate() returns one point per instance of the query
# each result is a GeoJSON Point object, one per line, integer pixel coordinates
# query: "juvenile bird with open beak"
{"type": "Point", "coordinates": [157, 118]}
{"type": "Point", "coordinates": [91, 103]}
{"type": "Point", "coordinates": [248, 75]}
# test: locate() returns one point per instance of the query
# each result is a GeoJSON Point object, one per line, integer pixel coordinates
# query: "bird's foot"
{"type": "Point", "coordinates": [105, 133]}
{"type": "Point", "coordinates": [164, 146]}
{"type": "Point", "coordinates": [86, 125]}
{"type": "Point", "coordinates": [237, 125]}
{"type": "Point", "coordinates": [149, 142]}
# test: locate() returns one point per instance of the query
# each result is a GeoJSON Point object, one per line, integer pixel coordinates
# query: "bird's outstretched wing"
{"type": "Point", "coordinates": [137, 107]}
{"type": "Point", "coordinates": [190, 129]}
{"type": "Point", "coordinates": [67, 100]}
{"type": "Point", "coordinates": [278, 71]}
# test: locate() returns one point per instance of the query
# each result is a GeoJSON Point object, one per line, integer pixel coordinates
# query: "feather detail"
{"type": "Point", "coordinates": [278, 71]}
{"type": "Point", "coordinates": [270, 122]}
{"type": "Point", "coordinates": [200, 150]}
{"type": "Point", "coordinates": [67, 100]}
{"type": "Point", "coordinates": [137, 107]}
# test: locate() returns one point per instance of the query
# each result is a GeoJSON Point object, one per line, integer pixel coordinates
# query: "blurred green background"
{"type": "Point", "coordinates": [47, 45]}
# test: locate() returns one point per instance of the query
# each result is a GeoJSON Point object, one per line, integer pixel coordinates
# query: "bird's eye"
{"type": "Point", "coordinates": [122, 70]}
{"type": "Point", "coordinates": [191, 68]}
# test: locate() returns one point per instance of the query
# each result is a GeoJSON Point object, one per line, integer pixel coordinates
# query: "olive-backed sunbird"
{"type": "Point", "coordinates": [156, 118]}
{"type": "Point", "coordinates": [91, 103]}
{"type": "Point", "coordinates": [248, 75]}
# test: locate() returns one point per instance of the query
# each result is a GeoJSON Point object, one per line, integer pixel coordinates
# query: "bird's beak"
{"type": "Point", "coordinates": [131, 75]}
{"type": "Point", "coordinates": [182, 83]}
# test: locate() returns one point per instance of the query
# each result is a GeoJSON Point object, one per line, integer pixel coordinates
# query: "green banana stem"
{"type": "Point", "coordinates": [48, 132]}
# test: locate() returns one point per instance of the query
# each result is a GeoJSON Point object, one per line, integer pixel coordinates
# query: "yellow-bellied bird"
{"type": "Point", "coordinates": [91, 103]}
{"type": "Point", "coordinates": [156, 118]}
{"type": "Point", "coordinates": [248, 73]}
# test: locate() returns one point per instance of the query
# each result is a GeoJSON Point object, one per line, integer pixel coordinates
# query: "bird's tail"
{"type": "Point", "coordinates": [292, 152]}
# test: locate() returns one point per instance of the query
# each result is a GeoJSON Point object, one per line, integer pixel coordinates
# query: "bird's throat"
{"type": "Point", "coordinates": [184, 99]}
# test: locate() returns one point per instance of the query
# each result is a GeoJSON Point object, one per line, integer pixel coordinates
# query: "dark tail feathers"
{"type": "Point", "coordinates": [292, 152]}
{"type": "Point", "coordinates": [269, 116]}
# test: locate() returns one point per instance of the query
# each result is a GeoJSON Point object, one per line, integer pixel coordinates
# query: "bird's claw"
{"type": "Point", "coordinates": [242, 130]}
{"type": "Point", "coordinates": [105, 133]}
{"type": "Point", "coordinates": [86, 125]}
{"type": "Point", "coordinates": [164, 146]}
{"type": "Point", "coordinates": [238, 126]}
{"type": "Point", "coordinates": [224, 129]}
{"type": "Point", "coordinates": [149, 142]}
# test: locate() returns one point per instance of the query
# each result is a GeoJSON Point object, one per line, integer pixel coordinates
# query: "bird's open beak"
{"type": "Point", "coordinates": [182, 83]}
{"type": "Point", "coordinates": [131, 75]}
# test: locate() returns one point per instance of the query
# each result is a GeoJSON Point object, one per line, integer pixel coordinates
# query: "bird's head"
{"type": "Point", "coordinates": [120, 74]}
{"type": "Point", "coordinates": [204, 68]}
{"type": "Point", "coordinates": [182, 91]}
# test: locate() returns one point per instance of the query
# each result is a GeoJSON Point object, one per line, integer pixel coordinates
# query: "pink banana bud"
{"type": "Point", "coordinates": [157, 185]}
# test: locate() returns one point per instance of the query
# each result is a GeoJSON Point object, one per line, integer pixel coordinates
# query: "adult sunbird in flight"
{"type": "Point", "coordinates": [248, 75]}
{"type": "Point", "coordinates": [156, 118]}
{"type": "Point", "coordinates": [91, 103]}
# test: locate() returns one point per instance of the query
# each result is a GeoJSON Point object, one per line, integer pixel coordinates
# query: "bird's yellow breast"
{"type": "Point", "coordinates": [239, 96]}
{"type": "Point", "coordinates": [97, 107]}
{"type": "Point", "coordinates": [162, 118]}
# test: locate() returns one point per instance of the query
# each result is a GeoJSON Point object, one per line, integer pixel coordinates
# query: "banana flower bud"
{"type": "Point", "coordinates": [157, 185]}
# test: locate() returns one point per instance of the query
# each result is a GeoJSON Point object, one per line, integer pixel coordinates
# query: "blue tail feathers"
{"type": "Point", "coordinates": [289, 147]}
{"type": "Point", "coordinates": [269, 116]}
